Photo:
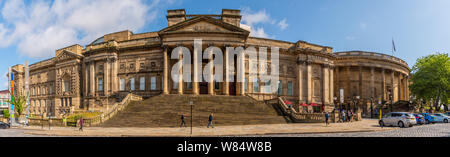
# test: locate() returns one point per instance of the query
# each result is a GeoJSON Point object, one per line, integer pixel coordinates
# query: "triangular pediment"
{"type": "Point", "coordinates": [67, 55]}
{"type": "Point", "coordinates": [203, 24]}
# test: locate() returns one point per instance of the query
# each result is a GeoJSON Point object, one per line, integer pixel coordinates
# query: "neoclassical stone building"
{"type": "Point", "coordinates": [89, 78]}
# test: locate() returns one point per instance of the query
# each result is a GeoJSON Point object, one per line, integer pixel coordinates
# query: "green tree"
{"type": "Point", "coordinates": [19, 104]}
{"type": "Point", "coordinates": [431, 78]}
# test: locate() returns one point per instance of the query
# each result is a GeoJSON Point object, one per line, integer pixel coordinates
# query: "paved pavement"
{"type": "Point", "coordinates": [15, 133]}
{"type": "Point", "coordinates": [365, 128]}
{"type": "Point", "coordinates": [237, 130]}
{"type": "Point", "coordinates": [432, 130]}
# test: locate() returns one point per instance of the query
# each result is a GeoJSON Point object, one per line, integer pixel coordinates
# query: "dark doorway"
{"type": "Point", "coordinates": [232, 88]}
{"type": "Point", "coordinates": [203, 87]}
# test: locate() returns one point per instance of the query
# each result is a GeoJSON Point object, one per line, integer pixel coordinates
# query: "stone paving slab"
{"type": "Point", "coordinates": [367, 125]}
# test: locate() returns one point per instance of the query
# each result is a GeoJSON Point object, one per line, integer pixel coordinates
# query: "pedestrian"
{"type": "Point", "coordinates": [64, 121]}
{"type": "Point", "coordinates": [349, 114]}
{"type": "Point", "coordinates": [81, 123]}
{"type": "Point", "coordinates": [182, 121]}
{"type": "Point", "coordinates": [343, 116]}
{"type": "Point", "coordinates": [326, 118]}
{"type": "Point", "coordinates": [210, 120]}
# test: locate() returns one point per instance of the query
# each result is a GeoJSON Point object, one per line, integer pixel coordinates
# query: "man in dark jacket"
{"type": "Point", "coordinates": [182, 121]}
{"type": "Point", "coordinates": [210, 123]}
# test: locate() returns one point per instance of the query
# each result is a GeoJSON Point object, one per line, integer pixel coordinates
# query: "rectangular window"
{"type": "Point", "coordinates": [280, 87]}
{"type": "Point", "coordinates": [245, 84]}
{"type": "Point", "coordinates": [153, 83]}
{"type": "Point", "coordinates": [122, 84]}
{"type": "Point", "coordinates": [189, 85]}
{"type": "Point", "coordinates": [66, 86]}
{"type": "Point", "coordinates": [255, 86]}
{"type": "Point", "coordinates": [100, 84]}
{"type": "Point", "coordinates": [290, 88]}
{"type": "Point", "coordinates": [216, 85]}
{"type": "Point", "coordinates": [267, 87]}
{"type": "Point", "coordinates": [142, 83]}
{"type": "Point", "coordinates": [132, 84]}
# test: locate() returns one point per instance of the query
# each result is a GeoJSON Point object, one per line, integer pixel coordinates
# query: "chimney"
{"type": "Point", "coordinates": [176, 16]}
{"type": "Point", "coordinates": [232, 16]}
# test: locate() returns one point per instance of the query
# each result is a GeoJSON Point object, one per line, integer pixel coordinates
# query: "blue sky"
{"type": "Point", "coordinates": [33, 30]}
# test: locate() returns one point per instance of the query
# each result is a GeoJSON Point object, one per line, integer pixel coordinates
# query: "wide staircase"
{"type": "Point", "coordinates": [166, 111]}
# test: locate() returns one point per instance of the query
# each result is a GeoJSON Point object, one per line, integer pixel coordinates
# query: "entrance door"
{"type": "Point", "coordinates": [232, 88]}
{"type": "Point", "coordinates": [203, 87]}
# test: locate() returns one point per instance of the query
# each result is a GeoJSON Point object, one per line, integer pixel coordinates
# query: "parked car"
{"type": "Point", "coordinates": [4, 125]}
{"type": "Point", "coordinates": [441, 117]}
{"type": "Point", "coordinates": [419, 118]}
{"type": "Point", "coordinates": [400, 119]}
{"type": "Point", "coordinates": [429, 119]}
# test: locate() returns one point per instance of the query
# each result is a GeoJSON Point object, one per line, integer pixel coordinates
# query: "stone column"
{"type": "Point", "coordinates": [325, 82]}
{"type": "Point", "coordinates": [166, 72]}
{"type": "Point", "coordinates": [399, 84]}
{"type": "Point", "coordinates": [211, 75]}
{"type": "Point", "coordinates": [195, 81]}
{"type": "Point", "coordinates": [242, 72]}
{"type": "Point", "coordinates": [115, 73]}
{"type": "Point", "coordinates": [300, 81]}
{"type": "Point", "coordinates": [393, 86]}
{"type": "Point", "coordinates": [331, 82]}
{"type": "Point", "coordinates": [180, 73]}
{"type": "Point", "coordinates": [106, 77]}
{"type": "Point", "coordinates": [86, 79]}
{"type": "Point", "coordinates": [383, 84]}
{"type": "Point", "coordinates": [337, 85]}
{"type": "Point", "coordinates": [309, 79]}
{"type": "Point", "coordinates": [226, 83]}
{"type": "Point", "coordinates": [92, 77]}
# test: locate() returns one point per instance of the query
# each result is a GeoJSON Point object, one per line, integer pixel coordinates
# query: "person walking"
{"type": "Point", "coordinates": [326, 118]}
{"type": "Point", "coordinates": [81, 123]}
{"type": "Point", "coordinates": [349, 114]}
{"type": "Point", "coordinates": [183, 122]}
{"type": "Point", "coordinates": [343, 116]}
{"type": "Point", "coordinates": [210, 120]}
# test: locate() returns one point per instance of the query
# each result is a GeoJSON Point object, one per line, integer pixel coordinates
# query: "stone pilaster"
{"type": "Point", "coordinates": [383, 84]}
{"type": "Point", "coordinates": [331, 82]}
{"type": "Point", "coordinates": [399, 86]}
{"type": "Point", "coordinates": [211, 75]}
{"type": "Point", "coordinates": [300, 81]}
{"type": "Point", "coordinates": [393, 86]}
{"type": "Point", "coordinates": [372, 82]}
{"type": "Point", "coordinates": [325, 83]}
{"type": "Point", "coordinates": [309, 80]}
{"type": "Point", "coordinates": [92, 77]}
{"type": "Point", "coordinates": [106, 77]}
{"type": "Point", "coordinates": [166, 72]}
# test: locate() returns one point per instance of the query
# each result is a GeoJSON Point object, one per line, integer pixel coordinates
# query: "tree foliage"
{"type": "Point", "coordinates": [431, 78]}
{"type": "Point", "coordinates": [19, 103]}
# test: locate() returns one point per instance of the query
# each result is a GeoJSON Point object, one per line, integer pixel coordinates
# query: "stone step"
{"type": "Point", "coordinates": [166, 110]}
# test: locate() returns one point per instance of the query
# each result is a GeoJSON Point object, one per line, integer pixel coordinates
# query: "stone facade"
{"type": "Point", "coordinates": [91, 77]}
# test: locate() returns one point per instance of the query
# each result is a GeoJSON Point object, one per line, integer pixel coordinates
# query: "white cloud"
{"type": "Point", "coordinates": [255, 19]}
{"type": "Point", "coordinates": [283, 25]}
{"type": "Point", "coordinates": [259, 32]}
{"type": "Point", "coordinates": [41, 27]}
